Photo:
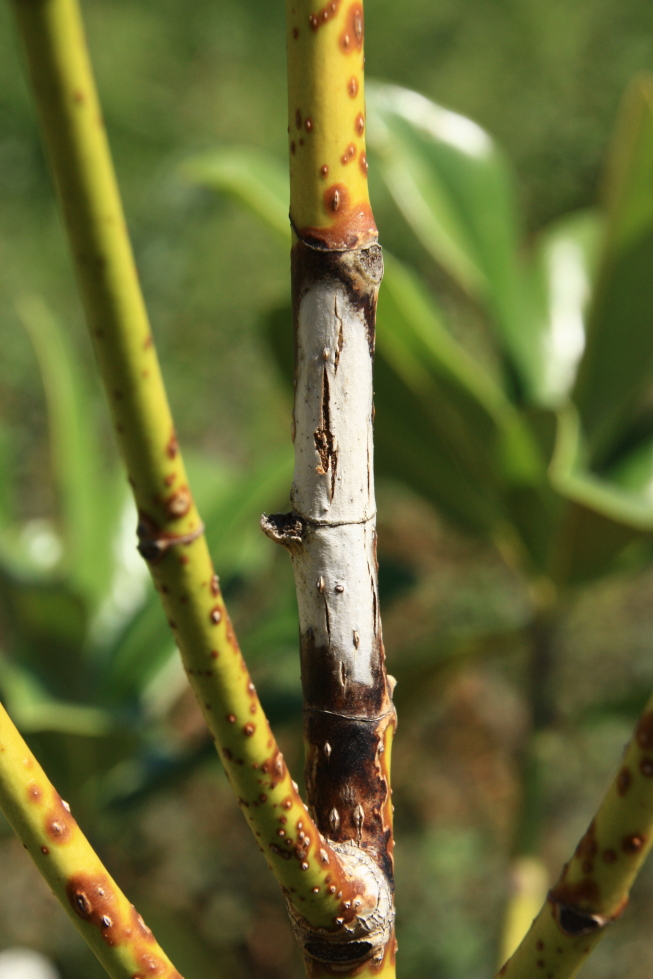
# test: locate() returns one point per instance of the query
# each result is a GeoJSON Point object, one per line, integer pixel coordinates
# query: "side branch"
{"type": "Point", "coordinates": [170, 531]}
{"type": "Point", "coordinates": [97, 907]}
{"type": "Point", "coordinates": [594, 886]}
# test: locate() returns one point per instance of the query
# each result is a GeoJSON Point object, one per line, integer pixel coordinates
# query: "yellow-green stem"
{"type": "Point", "coordinates": [109, 923]}
{"type": "Point", "coordinates": [529, 878]}
{"type": "Point", "coordinates": [170, 528]}
{"type": "Point", "coordinates": [329, 199]}
{"type": "Point", "coordinates": [595, 884]}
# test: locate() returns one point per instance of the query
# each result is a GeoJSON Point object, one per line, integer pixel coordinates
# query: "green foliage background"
{"type": "Point", "coordinates": [177, 80]}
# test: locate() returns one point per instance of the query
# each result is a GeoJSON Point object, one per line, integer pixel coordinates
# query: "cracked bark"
{"type": "Point", "coordinates": [349, 717]}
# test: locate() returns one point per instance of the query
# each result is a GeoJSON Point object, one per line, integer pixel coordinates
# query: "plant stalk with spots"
{"type": "Point", "coordinates": [595, 884]}
{"type": "Point", "coordinates": [349, 718]}
{"type": "Point", "coordinates": [329, 886]}
{"type": "Point", "coordinates": [42, 820]}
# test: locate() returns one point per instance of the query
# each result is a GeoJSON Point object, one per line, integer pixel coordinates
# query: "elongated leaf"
{"type": "Point", "coordinates": [617, 367]}
{"type": "Point", "coordinates": [43, 625]}
{"type": "Point", "coordinates": [89, 503]}
{"type": "Point", "coordinates": [605, 517]}
{"type": "Point", "coordinates": [561, 274]}
{"type": "Point", "coordinates": [442, 425]}
{"type": "Point", "coordinates": [255, 178]}
{"type": "Point", "coordinates": [33, 709]}
{"type": "Point", "coordinates": [455, 189]}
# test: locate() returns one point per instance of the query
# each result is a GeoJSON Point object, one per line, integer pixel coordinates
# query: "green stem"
{"type": "Point", "coordinates": [595, 884]}
{"type": "Point", "coordinates": [528, 883]}
{"type": "Point", "coordinates": [170, 529]}
{"type": "Point", "coordinates": [97, 907]}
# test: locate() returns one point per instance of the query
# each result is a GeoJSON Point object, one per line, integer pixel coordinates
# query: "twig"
{"type": "Point", "coordinates": [595, 884]}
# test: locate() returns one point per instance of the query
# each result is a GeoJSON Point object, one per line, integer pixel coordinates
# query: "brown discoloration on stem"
{"type": "Point", "coordinates": [322, 16]}
{"type": "Point", "coordinates": [354, 225]}
{"type": "Point", "coordinates": [359, 270]}
{"type": "Point", "coordinates": [594, 886]}
{"type": "Point", "coordinates": [113, 929]}
{"type": "Point", "coordinates": [624, 779]}
{"type": "Point", "coordinates": [58, 823]}
{"type": "Point", "coordinates": [94, 899]}
{"type": "Point", "coordinates": [349, 717]}
{"type": "Point", "coordinates": [351, 37]}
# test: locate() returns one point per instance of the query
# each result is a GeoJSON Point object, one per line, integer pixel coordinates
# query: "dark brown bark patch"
{"type": "Point", "coordinates": [326, 685]}
{"type": "Point", "coordinates": [359, 271]}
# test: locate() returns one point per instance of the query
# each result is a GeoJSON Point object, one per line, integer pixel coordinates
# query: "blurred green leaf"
{"type": "Point", "coordinates": [605, 516]}
{"type": "Point", "coordinates": [232, 525]}
{"type": "Point", "coordinates": [43, 626]}
{"type": "Point", "coordinates": [32, 709]}
{"type": "Point", "coordinates": [561, 275]}
{"type": "Point", "coordinates": [617, 368]}
{"type": "Point", "coordinates": [89, 500]}
{"type": "Point", "coordinates": [441, 424]}
{"type": "Point", "coordinates": [456, 190]}
{"type": "Point", "coordinates": [253, 177]}
{"type": "Point", "coordinates": [626, 502]}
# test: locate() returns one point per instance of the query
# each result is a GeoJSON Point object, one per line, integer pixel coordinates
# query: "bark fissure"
{"type": "Point", "coordinates": [325, 443]}
{"type": "Point", "coordinates": [330, 534]}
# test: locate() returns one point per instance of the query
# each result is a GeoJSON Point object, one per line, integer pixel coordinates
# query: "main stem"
{"type": "Point", "coordinates": [349, 718]}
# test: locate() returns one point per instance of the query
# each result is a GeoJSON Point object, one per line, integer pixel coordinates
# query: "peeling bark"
{"type": "Point", "coordinates": [349, 717]}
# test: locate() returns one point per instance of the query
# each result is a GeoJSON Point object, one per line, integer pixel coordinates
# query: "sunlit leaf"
{"type": "Point", "coordinates": [561, 275]}
{"type": "Point", "coordinates": [617, 367]}
{"type": "Point", "coordinates": [456, 190]}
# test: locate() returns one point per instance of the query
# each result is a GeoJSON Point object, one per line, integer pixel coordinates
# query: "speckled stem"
{"type": "Point", "coordinates": [170, 529]}
{"type": "Point", "coordinates": [97, 907]}
{"type": "Point", "coordinates": [329, 198]}
{"type": "Point", "coordinates": [595, 884]}
{"type": "Point", "coordinates": [349, 718]}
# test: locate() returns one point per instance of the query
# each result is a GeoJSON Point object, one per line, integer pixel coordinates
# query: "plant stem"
{"type": "Point", "coordinates": [349, 718]}
{"type": "Point", "coordinates": [170, 529]}
{"type": "Point", "coordinates": [528, 875]}
{"type": "Point", "coordinates": [594, 886]}
{"type": "Point", "coordinates": [108, 922]}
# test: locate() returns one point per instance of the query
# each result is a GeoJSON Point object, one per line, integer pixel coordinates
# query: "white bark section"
{"type": "Point", "coordinates": [335, 576]}
{"type": "Point", "coordinates": [334, 396]}
{"type": "Point", "coordinates": [333, 488]}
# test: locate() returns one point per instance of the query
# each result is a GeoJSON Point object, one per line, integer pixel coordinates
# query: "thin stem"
{"type": "Point", "coordinates": [528, 876]}
{"type": "Point", "coordinates": [97, 907]}
{"type": "Point", "coordinates": [170, 528]}
{"type": "Point", "coordinates": [595, 884]}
